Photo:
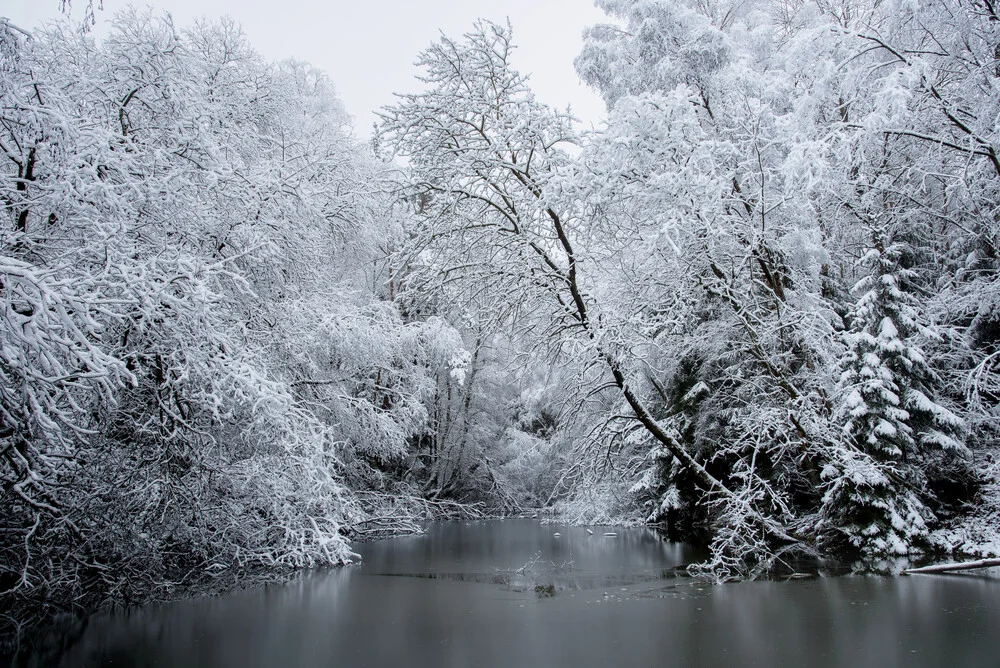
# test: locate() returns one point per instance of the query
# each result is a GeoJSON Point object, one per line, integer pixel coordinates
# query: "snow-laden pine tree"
{"type": "Point", "coordinates": [891, 420]}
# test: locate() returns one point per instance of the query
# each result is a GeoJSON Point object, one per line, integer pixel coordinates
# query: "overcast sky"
{"type": "Point", "coordinates": [368, 48]}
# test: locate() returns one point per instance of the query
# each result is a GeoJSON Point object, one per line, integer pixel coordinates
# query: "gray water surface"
{"type": "Point", "coordinates": [510, 593]}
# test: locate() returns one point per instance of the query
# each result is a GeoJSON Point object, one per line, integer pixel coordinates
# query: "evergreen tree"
{"type": "Point", "coordinates": [890, 419]}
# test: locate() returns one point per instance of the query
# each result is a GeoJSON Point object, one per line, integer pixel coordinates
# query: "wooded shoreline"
{"type": "Point", "coordinates": [759, 304]}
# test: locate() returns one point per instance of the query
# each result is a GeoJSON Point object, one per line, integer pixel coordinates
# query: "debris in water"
{"type": "Point", "coordinates": [545, 591]}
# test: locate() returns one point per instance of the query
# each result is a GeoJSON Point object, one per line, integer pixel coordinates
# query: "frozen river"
{"type": "Point", "coordinates": [512, 593]}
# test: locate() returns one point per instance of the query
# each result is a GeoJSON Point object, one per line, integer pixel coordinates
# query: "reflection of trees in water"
{"type": "Point", "coordinates": [523, 554]}
{"type": "Point", "coordinates": [423, 616]}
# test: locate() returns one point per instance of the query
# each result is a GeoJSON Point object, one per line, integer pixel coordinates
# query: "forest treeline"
{"type": "Point", "coordinates": [756, 306]}
{"type": "Point", "coordinates": [202, 372]}
{"type": "Point", "coordinates": [770, 276]}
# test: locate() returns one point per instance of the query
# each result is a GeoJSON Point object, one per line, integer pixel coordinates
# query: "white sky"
{"type": "Point", "coordinates": [368, 49]}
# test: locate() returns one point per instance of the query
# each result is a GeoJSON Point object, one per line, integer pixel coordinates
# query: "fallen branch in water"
{"type": "Point", "coordinates": [961, 566]}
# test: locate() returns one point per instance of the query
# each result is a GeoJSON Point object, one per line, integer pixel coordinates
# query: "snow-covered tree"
{"type": "Point", "coordinates": [887, 408]}
{"type": "Point", "coordinates": [886, 379]}
{"type": "Point", "coordinates": [197, 364]}
{"type": "Point", "coordinates": [505, 221]}
{"type": "Point", "coordinates": [807, 123]}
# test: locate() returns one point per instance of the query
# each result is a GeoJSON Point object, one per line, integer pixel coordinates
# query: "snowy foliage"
{"type": "Point", "coordinates": [197, 368]}
{"type": "Point", "coordinates": [706, 262]}
{"type": "Point", "coordinates": [758, 305]}
{"type": "Point", "coordinates": [885, 410]}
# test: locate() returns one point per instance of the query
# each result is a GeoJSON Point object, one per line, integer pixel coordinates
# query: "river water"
{"type": "Point", "coordinates": [512, 593]}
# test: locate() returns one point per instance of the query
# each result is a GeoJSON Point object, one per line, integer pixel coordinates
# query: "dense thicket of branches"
{"type": "Point", "coordinates": [199, 369]}
{"type": "Point", "coordinates": [773, 268]}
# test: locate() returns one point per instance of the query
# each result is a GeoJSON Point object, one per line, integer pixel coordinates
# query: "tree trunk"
{"type": "Point", "coordinates": [959, 566]}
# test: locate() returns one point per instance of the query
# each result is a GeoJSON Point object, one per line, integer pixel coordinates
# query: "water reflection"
{"type": "Point", "coordinates": [609, 611]}
{"type": "Point", "coordinates": [523, 553]}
